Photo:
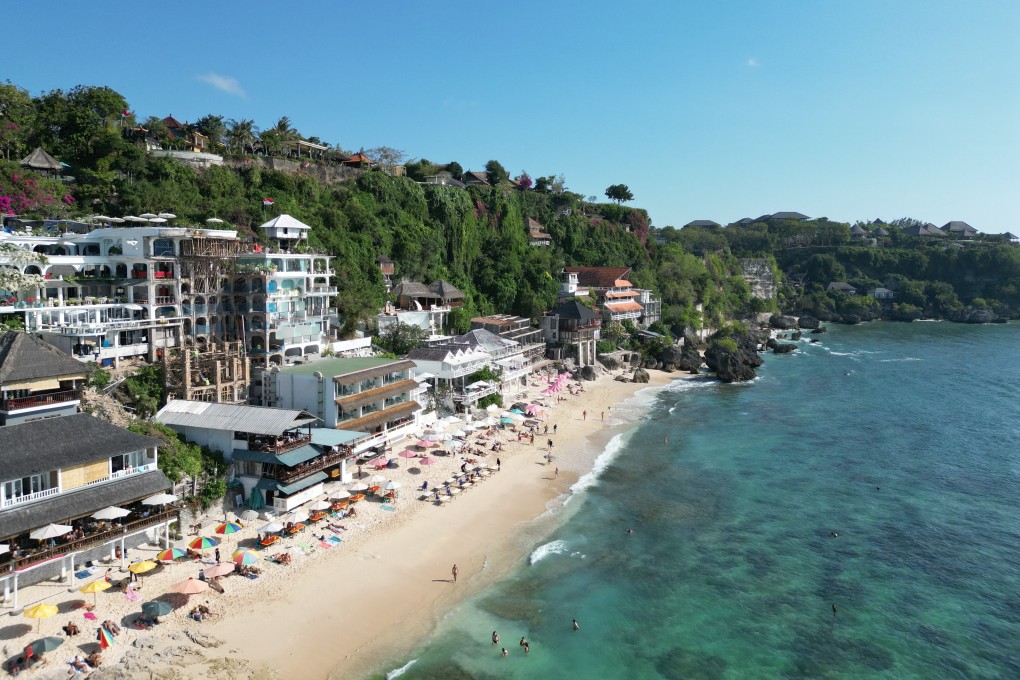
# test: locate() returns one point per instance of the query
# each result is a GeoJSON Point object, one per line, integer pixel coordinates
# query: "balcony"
{"type": "Point", "coordinates": [290, 475]}
{"type": "Point", "coordinates": [29, 497]}
{"type": "Point", "coordinates": [277, 444]}
{"type": "Point", "coordinates": [33, 400]}
{"type": "Point", "coordinates": [162, 275]}
{"type": "Point", "coordinates": [120, 474]}
{"type": "Point", "coordinates": [475, 395]}
{"type": "Point", "coordinates": [165, 299]}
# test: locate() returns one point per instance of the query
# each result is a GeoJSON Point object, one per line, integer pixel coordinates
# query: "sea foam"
{"type": "Point", "coordinates": [603, 461]}
{"type": "Point", "coordinates": [543, 551]}
{"type": "Point", "coordinates": [397, 672]}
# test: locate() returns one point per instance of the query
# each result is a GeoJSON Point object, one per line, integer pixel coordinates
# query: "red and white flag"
{"type": "Point", "coordinates": [268, 201]}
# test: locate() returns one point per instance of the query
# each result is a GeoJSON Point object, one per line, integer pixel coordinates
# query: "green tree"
{"type": "Point", "coordinates": [400, 338]}
{"type": "Point", "coordinates": [241, 136]}
{"type": "Point", "coordinates": [17, 115]}
{"type": "Point", "coordinates": [495, 172]}
{"type": "Point", "coordinates": [620, 193]}
{"type": "Point", "coordinates": [215, 128]}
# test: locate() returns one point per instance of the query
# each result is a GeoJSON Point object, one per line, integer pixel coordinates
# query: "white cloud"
{"type": "Point", "coordinates": [224, 83]}
{"type": "Point", "coordinates": [752, 62]}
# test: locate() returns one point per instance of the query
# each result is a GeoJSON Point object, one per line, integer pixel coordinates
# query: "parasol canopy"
{"type": "Point", "coordinates": [142, 567]}
{"type": "Point", "coordinates": [357, 486]}
{"type": "Point", "coordinates": [170, 554]}
{"type": "Point", "coordinates": [160, 499]}
{"type": "Point", "coordinates": [271, 528]}
{"type": "Point", "coordinates": [43, 610]}
{"type": "Point", "coordinates": [157, 608]}
{"type": "Point", "coordinates": [94, 587]}
{"type": "Point", "coordinates": [392, 486]}
{"type": "Point", "coordinates": [105, 638]}
{"type": "Point", "coordinates": [340, 494]}
{"type": "Point", "coordinates": [244, 556]}
{"type": "Point", "coordinates": [250, 515]}
{"type": "Point", "coordinates": [47, 644]}
{"type": "Point", "coordinates": [190, 587]}
{"type": "Point", "coordinates": [228, 528]}
{"type": "Point", "coordinates": [50, 531]}
{"type": "Point", "coordinates": [204, 543]}
{"type": "Point", "coordinates": [321, 505]}
{"type": "Point", "coordinates": [112, 512]}
{"type": "Point", "coordinates": [221, 569]}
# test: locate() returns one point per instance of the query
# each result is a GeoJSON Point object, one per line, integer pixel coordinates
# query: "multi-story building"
{"type": "Point", "coordinates": [427, 307]}
{"type": "Point", "coordinates": [572, 330]}
{"type": "Point", "coordinates": [368, 394]}
{"type": "Point", "coordinates": [616, 297]}
{"type": "Point", "coordinates": [278, 455]}
{"type": "Point", "coordinates": [515, 328]}
{"type": "Point", "coordinates": [37, 380]}
{"type": "Point", "coordinates": [59, 472]}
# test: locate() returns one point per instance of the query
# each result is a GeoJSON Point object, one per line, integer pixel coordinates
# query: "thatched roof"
{"type": "Point", "coordinates": [25, 357]}
{"type": "Point", "coordinates": [40, 160]}
{"type": "Point", "coordinates": [44, 445]}
{"type": "Point", "coordinates": [446, 290]}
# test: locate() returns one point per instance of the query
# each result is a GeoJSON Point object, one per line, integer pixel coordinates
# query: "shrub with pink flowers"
{"type": "Point", "coordinates": [23, 192]}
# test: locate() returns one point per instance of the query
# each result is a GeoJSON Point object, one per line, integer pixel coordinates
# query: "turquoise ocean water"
{"type": "Point", "coordinates": [903, 439]}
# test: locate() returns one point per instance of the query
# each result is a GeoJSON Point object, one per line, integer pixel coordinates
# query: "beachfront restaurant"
{"type": "Point", "coordinates": [54, 475]}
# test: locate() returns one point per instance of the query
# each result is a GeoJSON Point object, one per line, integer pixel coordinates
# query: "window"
{"type": "Point", "coordinates": [127, 461]}
{"type": "Point", "coordinates": [248, 468]}
{"type": "Point", "coordinates": [17, 488]}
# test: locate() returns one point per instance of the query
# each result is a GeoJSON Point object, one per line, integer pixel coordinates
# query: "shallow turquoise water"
{"type": "Point", "coordinates": [732, 570]}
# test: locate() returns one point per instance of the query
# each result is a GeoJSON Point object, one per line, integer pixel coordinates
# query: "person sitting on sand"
{"type": "Point", "coordinates": [94, 659]}
{"type": "Point", "coordinates": [79, 665]}
{"type": "Point", "coordinates": [71, 629]}
{"type": "Point", "coordinates": [15, 666]}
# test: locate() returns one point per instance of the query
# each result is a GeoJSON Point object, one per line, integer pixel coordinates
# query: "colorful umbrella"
{"type": "Point", "coordinates": [170, 554]}
{"type": "Point", "coordinates": [142, 567]}
{"type": "Point", "coordinates": [41, 611]}
{"type": "Point", "coordinates": [203, 543]}
{"type": "Point", "coordinates": [157, 608]}
{"type": "Point", "coordinates": [94, 587]}
{"type": "Point", "coordinates": [244, 557]}
{"type": "Point", "coordinates": [228, 528]}
{"type": "Point", "coordinates": [105, 638]}
{"type": "Point", "coordinates": [190, 587]}
{"type": "Point", "coordinates": [47, 644]}
{"type": "Point", "coordinates": [221, 569]}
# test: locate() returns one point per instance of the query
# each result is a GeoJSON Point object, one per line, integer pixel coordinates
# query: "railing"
{"type": "Point", "coordinates": [312, 466]}
{"type": "Point", "coordinates": [122, 473]}
{"type": "Point", "coordinates": [165, 299]}
{"type": "Point", "coordinates": [93, 540]}
{"type": "Point", "coordinates": [8, 502]}
{"type": "Point", "coordinates": [106, 326]}
{"type": "Point", "coordinates": [15, 403]}
{"type": "Point", "coordinates": [163, 275]}
{"type": "Point", "coordinates": [277, 445]}
{"type": "Point", "coordinates": [475, 395]}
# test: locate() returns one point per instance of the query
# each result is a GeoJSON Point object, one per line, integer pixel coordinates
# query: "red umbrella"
{"type": "Point", "coordinates": [380, 464]}
{"type": "Point", "coordinates": [408, 453]}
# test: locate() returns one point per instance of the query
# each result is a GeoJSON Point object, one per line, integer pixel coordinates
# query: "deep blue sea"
{"type": "Point", "coordinates": [902, 439]}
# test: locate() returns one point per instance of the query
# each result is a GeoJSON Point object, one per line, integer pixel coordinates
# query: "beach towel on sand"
{"type": "Point", "coordinates": [387, 507]}
{"type": "Point", "coordinates": [334, 540]}
{"type": "Point", "coordinates": [325, 544]}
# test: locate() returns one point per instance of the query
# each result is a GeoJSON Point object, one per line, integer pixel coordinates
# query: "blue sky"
{"type": "Point", "coordinates": [706, 110]}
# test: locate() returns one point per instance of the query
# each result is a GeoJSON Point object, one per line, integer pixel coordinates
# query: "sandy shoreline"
{"type": "Point", "coordinates": [348, 611]}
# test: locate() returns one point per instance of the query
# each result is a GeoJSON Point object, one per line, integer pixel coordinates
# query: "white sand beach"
{"type": "Point", "coordinates": [344, 611]}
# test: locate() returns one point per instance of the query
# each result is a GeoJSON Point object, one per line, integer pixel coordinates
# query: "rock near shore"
{"type": "Point", "coordinates": [733, 357]}
{"type": "Point", "coordinates": [783, 323]}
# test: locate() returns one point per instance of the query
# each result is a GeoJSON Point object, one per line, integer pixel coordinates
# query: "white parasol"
{"type": "Point", "coordinates": [112, 512]}
{"type": "Point", "coordinates": [50, 531]}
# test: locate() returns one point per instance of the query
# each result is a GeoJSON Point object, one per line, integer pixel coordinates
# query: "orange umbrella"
{"type": "Point", "coordinates": [190, 587]}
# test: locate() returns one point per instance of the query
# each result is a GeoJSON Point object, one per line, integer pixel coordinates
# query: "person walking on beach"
{"type": "Point", "coordinates": [577, 626]}
{"type": "Point", "coordinates": [554, 428]}
{"type": "Point", "coordinates": [499, 464]}
{"type": "Point", "coordinates": [217, 555]}
{"type": "Point", "coordinates": [584, 415]}
{"type": "Point", "coordinates": [495, 638]}
{"type": "Point", "coordinates": [454, 571]}
{"type": "Point", "coordinates": [557, 473]}
{"type": "Point", "coordinates": [603, 416]}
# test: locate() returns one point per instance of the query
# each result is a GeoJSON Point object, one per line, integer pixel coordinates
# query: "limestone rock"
{"type": "Point", "coordinates": [640, 376]}
{"type": "Point", "coordinates": [782, 322]}
{"type": "Point", "coordinates": [784, 348]}
{"type": "Point", "coordinates": [808, 322]}
{"type": "Point", "coordinates": [587, 373]}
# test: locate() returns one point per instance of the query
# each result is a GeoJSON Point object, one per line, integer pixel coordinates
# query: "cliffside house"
{"type": "Point", "coordinates": [516, 328]}
{"type": "Point", "coordinates": [879, 232]}
{"type": "Point", "coordinates": [299, 148]}
{"type": "Point", "coordinates": [42, 162]}
{"type": "Point", "coordinates": [1011, 238]}
{"type": "Point", "coordinates": [537, 234]}
{"type": "Point", "coordinates": [447, 370]}
{"type": "Point", "coordinates": [59, 472]}
{"type": "Point", "coordinates": [959, 229]}
{"type": "Point", "coordinates": [784, 216]}
{"type": "Point", "coordinates": [427, 307]}
{"type": "Point", "coordinates": [841, 287]}
{"type": "Point", "coordinates": [374, 395]}
{"type": "Point", "coordinates": [614, 294]}
{"type": "Point", "coordinates": [37, 380]}
{"type": "Point", "coordinates": [386, 268]}
{"type": "Point", "coordinates": [858, 232]}
{"type": "Point", "coordinates": [571, 329]}
{"type": "Point", "coordinates": [924, 230]}
{"type": "Point", "coordinates": [277, 456]}
{"type": "Point", "coordinates": [882, 294]}
{"type": "Point", "coordinates": [358, 160]}
{"type": "Point", "coordinates": [194, 140]}
{"type": "Point", "coordinates": [472, 178]}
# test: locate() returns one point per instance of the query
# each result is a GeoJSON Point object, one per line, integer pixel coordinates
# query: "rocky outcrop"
{"type": "Point", "coordinates": [784, 348]}
{"type": "Point", "coordinates": [640, 376]}
{"type": "Point", "coordinates": [808, 322]}
{"type": "Point", "coordinates": [783, 323]}
{"type": "Point", "coordinates": [820, 329]}
{"type": "Point", "coordinates": [610, 362]}
{"type": "Point", "coordinates": [587, 373]}
{"type": "Point", "coordinates": [734, 357]}
{"type": "Point", "coordinates": [982, 316]}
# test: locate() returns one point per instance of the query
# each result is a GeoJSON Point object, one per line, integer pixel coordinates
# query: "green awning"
{"type": "Point", "coordinates": [254, 456]}
{"type": "Point", "coordinates": [288, 459]}
{"type": "Point", "coordinates": [288, 489]}
{"type": "Point", "coordinates": [325, 436]}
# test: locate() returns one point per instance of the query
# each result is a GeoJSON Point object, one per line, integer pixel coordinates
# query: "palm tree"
{"type": "Point", "coordinates": [241, 137]}
{"type": "Point", "coordinates": [284, 129]}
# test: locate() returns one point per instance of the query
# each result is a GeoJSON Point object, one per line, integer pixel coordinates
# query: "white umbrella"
{"type": "Point", "coordinates": [250, 515]}
{"type": "Point", "coordinates": [4, 548]}
{"type": "Point", "coordinates": [357, 486]}
{"type": "Point", "coordinates": [167, 216]}
{"type": "Point", "coordinates": [340, 494]}
{"type": "Point", "coordinates": [295, 516]}
{"type": "Point", "coordinates": [99, 218]}
{"type": "Point", "coordinates": [50, 531]}
{"type": "Point", "coordinates": [432, 436]}
{"type": "Point", "coordinates": [492, 409]}
{"type": "Point", "coordinates": [148, 216]}
{"type": "Point", "coordinates": [117, 220]}
{"type": "Point", "coordinates": [112, 512]}
{"type": "Point", "coordinates": [158, 220]}
{"type": "Point", "coordinates": [392, 486]}
{"type": "Point", "coordinates": [160, 499]}
{"type": "Point", "coordinates": [271, 528]}
{"type": "Point", "coordinates": [214, 220]}
{"type": "Point", "coordinates": [321, 505]}
{"type": "Point", "coordinates": [460, 433]}
{"type": "Point", "coordinates": [375, 479]}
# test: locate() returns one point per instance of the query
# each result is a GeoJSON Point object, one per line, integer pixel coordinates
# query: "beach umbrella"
{"type": "Point", "coordinates": [228, 528]}
{"type": "Point", "coordinates": [460, 434]}
{"type": "Point", "coordinates": [43, 610]}
{"type": "Point", "coordinates": [117, 220]}
{"type": "Point", "coordinates": [94, 587]}
{"type": "Point", "coordinates": [105, 637]}
{"type": "Point", "coordinates": [112, 512]}
{"type": "Point", "coordinates": [321, 505]}
{"type": "Point", "coordinates": [271, 528]}
{"type": "Point", "coordinates": [221, 569]}
{"type": "Point", "coordinates": [296, 516]}
{"type": "Point", "coordinates": [375, 479]}
{"type": "Point", "coordinates": [244, 556]}
{"type": "Point", "coordinates": [148, 216]}
{"type": "Point", "coordinates": [506, 421]}
{"type": "Point", "coordinates": [380, 464]}
{"type": "Point", "coordinates": [170, 554]}
{"type": "Point", "coordinates": [408, 453]}
{"type": "Point", "coordinates": [357, 486]}
{"type": "Point", "coordinates": [5, 548]}
{"type": "Point", "coordinates": [47, 644]}
{"type": "Point", "coordinates": [492, 409]}
{"type": "Point", "coordinates": [142, 567]}
{"type": "Point", "coordinates": [392, 486]}
{"type": "Point", "coordinates": [158, 220]}
{"type": "Point", "coordinates": [250, 515]}
{"type": "Point", "coordinates": [167, 215]}
{"type": "Point", "coordinates": [160, 499]}
{"type": "Point", "coordinates": [214, 220]}
{"type": "Point", "coordinates": [50, 531]}
{"type": "Point", "coordinates": [203, 543]}
{"type": "Point", "coordinates": [340, 494]}
{"type": "Point", "coordinates": [432, 436]}
{"type": "Point", "coordinates": [423, 444]}
{"type": "Point", "coordinates": [190, 587]}
{"type": "Point", "coordinates": [157, 608]}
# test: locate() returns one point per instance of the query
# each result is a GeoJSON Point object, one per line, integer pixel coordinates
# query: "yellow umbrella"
{"type": "Point", "coordinates": [97, 586]}
{"type": "Point", "coordinates": [142, 567]}
{"type": "Point", "coordinates": [41, 611]}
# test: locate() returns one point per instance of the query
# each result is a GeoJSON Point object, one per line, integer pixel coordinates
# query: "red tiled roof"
{"type": "Point", "coordinates": [627, 306]}
{"type": "Point", "coordinates": [622, 294]}
{"type": "Point", "coordinates": [599, 277]}
{"type": "Point", "coordinates": [172, 122]}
